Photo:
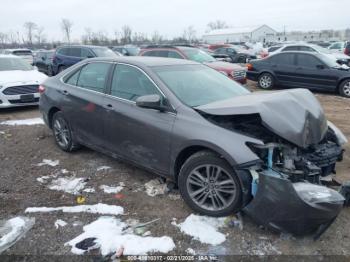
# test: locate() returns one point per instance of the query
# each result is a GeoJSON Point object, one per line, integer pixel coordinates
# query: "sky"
{"type": "Point", "coordinates": [171, 17]}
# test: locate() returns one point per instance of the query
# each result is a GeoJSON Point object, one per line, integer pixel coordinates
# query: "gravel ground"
{"type": "Point", "coordinates": [22, 147]}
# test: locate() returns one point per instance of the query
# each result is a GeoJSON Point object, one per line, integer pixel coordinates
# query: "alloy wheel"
{"type": "Point", "coordinates": [346, 88]}
{"type": "Point", "coordinates": [61, 132]}
{"type": "Point", "coordinates": [265, 81]}
{"type": "Point", "coordinates": [211, 187]}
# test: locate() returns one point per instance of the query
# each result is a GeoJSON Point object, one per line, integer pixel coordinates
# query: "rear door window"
{"type": "Point", "coordinates": [75, 51]}
{"type": "Point", "coordinates": [283, 59]}
{"type": "Point", "coordinates": [174, 54]}
{"type": "Point", "coordinates": [93, 76]}
{"type": "Point", "coordinates": [308, 61]}
{"type": "Point", "coordinates": [63, 51]}
{"type": "Point", "coordinates": [130, 83]}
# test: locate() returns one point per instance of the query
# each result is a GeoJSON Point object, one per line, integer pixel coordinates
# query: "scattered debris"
{"type": "Point", "coordinates": [203, 228]}
{"type": "Point", "coordinates": [13, 229]}
{"type": "Point", "coordinates": [27, 122]}
{"type": "Point", "coordinates": [174, 196]}
{"type": "Point", "coordinates": [81, 200]}
{"type": "Point", "coordinates": [138, 228]}
{"type": "Point", "coordinates": [103, 168]}
{"type": "Point", "coordinates": [111, 189]}
{"type": "Point", "coordinates": [94, 209]}
{"type": "Point", "coordinates": [49, 162]}
{"type": "Point", "coordinates": [70, 185]}
{"type": "Point", "coordinates": [87, 244]}
{"type": "Point", "coordinates": [89, 190]}
{"type": "Point", "coordinates": [156, 187]}
{"type": "Point", "coordinates": [64, 171]}
{"type": "Point", "coordinates": [108, 233]}
{"type": "Point", "coordinates": [119, 196]}
{"type": "Point", "coordinates": [60, 223]}
{"type": "Point", "coordinates": [234, 221]}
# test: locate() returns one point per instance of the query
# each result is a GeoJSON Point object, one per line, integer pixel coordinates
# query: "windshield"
{"type": "Point", "coordinates": [133, 50]}
{"type": "Point", "coordinates": [104, 52]}
{"type": "Point", "coordinates": [198, 55]}
{"type": "Point", "coordinates": [10, 63]}
{"type": "Point", "coordinates": [197, 85]}
{"type": "Point", "coordinates": [321, 49]}
{"type": "Point", "coordinates": [329, 60]}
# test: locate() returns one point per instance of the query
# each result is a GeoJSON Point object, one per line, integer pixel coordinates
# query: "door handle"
{"type": "Point", "coordinates": [109, 106]}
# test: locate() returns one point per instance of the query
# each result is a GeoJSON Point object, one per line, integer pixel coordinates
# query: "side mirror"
{"type": "Point", "coordinates": [320, 67]}
{"type": "Point", "coordinates": [150, 101]}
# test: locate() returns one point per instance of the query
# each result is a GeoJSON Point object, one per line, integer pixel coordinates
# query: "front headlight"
{"type": "Point", "coordinates": [339, 134]}
{"type": "Point", "coordinates": [313, 194]}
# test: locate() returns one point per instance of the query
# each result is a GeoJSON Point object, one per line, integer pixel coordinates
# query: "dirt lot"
{"type": "Point", "coordinates": [22, 147]}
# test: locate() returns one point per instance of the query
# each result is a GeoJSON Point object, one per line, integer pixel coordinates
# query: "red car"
{"type": "Point", "coordinates": [233, 71]}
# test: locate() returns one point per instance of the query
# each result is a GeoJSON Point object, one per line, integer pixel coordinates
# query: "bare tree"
{"type": "Point", "coordinates": [30, 28]}
{"type": "Point", "coordinates": [218, 24]}
{"type": "Point", "coordinates": [87, 37]}
{"type": "Point", "coordinates": [156, 37]}
{"type": "Point", "coordinates": [3, 39]}
{"type": "Point", "coordinates": [39, 35]}
{"type": "Point", "coordinates": [13, 38]}
{"type": "Point", "coordinates": [126, 34]}
{"type": "Point", "coordinates": [189, 34]}
{"type": "Point", "coordinates": [66, 26]}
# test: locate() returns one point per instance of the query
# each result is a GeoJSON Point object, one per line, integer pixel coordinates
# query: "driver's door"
{"type": "Point", "coordinates": [137, 134]}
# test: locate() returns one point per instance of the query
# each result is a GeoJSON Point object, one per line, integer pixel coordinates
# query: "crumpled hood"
{"type": "Point", "coordinates": [14, 76]}
{"type": "Point", "coordinates": [295, 114]}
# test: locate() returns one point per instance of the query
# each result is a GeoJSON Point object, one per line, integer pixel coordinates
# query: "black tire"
{"type": "Point", "coordinates": [68, 143]}
{"type": "Point", "coordinates": [344, 88]}
{"type": "Point", "coordinates": [194, 164]}
{"type": "Point", "coordinates": [266, 81]}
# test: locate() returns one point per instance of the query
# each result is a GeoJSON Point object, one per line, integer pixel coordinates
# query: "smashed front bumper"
{"type": "Point", "coordinates": [297, 208]}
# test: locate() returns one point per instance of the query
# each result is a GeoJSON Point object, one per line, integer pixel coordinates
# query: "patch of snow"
{"type": "Point", "coordinates": [111, 189]}
{"type": "Point", "coordinates": [100, 168]}
{"type": "Point", "coordinates": [60, 223]}
{"type": "Point", "coordinates": [99, 208]}
{"type": "Point", "coordinates": [43, 179]}
{"type": "Point", "coordinates": [203, 228]}
{"type": "Point", "coordinates": [2, 133]}
{"type": "Point", "coordinates": [155, 187]}
{"type": "Point", "coordinates": [110, 236]}
{"type": "Point", "coordinates": [64, 171]}
{"type": "Point", "coordinates": [27, 122]}
{"type": "Point", "coordinates": [13, 229]}
{"type": "Point", "coordinates": [89, 190]}
{"type": "Point", "coordinates": [49, 162]}
{"type": "Point", "coordinates": [71, 185]}
{"type": "Point", "coordinates": [190, 251]}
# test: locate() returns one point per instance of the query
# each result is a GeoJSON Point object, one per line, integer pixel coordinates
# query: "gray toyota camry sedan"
{"type": "Point", "coordinates": [267, 154]}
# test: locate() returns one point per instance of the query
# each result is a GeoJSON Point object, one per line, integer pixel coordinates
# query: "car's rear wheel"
{"type": "Point", "coordinates": [344, 88]}
{"type": "Point", "coordinates": [63, 133]}
{"type": "Point", "coordinates": [266, 81]}
{"type": "Point", "coordinates": [209, 185]}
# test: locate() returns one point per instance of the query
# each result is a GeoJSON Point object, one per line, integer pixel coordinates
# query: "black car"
{"type": "Point", "coordinates": [43, 61]}
{"type": "Point", "coordinates": [66, 56]}
{"type": "Point", "coordinates": [220, 143]}
{"type": "Point", "coordinates": [301, 69]}
{"type": "Point", "coordinates": [233, 54]}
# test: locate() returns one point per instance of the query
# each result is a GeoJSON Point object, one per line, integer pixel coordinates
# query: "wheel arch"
{"type": "Point", "coordinates": [341, 80]}
{"type": "Point", "coordinates": [52, 111]}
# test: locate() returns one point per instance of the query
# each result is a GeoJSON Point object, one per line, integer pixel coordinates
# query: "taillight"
{"type": "Point", "coordinates": [41, 89]}
{"type": "Point", "coordinates": [249, 67]}
{"type": "Point", "coordinates": [347, 51]}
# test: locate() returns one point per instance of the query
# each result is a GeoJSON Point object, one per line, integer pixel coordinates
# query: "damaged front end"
{"type": "Point", "coordinates": [287, 188]}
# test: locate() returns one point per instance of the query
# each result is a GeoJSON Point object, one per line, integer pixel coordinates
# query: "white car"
{"type": "Point", "coordinates": [19, 82]}
{"type": "Point", "coordinates": [341, 58]}
{"type": "Point", "coordinates": [25, 54]}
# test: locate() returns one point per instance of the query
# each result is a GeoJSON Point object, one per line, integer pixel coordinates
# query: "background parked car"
{"type": "Point", "coordinates": [43, 61]}
{"type": "Point", "coordinates": [233, 71]}
{"type": "Point", "coordinates": [301, 69]}
{"type": "Point", "coordinates": [235, 54]}
{"type": "Point", "coordinates": [25, 54]}
{"type": "Point", "coordinates": [340, 47]}
{"type": "Point", "coordinates": [19, 82]}
{"type": "Point", "coordinates": [127, 50]}
{"type": "Point", "coordinates": [66, 56]}
{"type": "Point", "coordinates": [340, 57]}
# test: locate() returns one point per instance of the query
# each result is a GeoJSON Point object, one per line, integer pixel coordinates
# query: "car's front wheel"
{"type": "Point", "coordinates": [266, 81]}
{"type": "Point", "coordinates": [344, 88]}
{"type": "Point", "coordinates": [209, 185]}
{"type": "Point", "coordinates": [63, 133]}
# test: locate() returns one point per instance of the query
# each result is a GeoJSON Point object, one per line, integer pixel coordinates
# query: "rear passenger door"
{"type": "Point", "coordinates": [283, 65]}
{"type": "Point", "coordinates": [74, 56]}
{"type": "Point", "coordinates": [138, 134]}
{"type": "Point", "coordinates": [313, 73]}
{"type": "Point", "coordinates": [83, 106]}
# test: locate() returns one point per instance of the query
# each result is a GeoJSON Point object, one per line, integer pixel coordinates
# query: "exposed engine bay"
{"type": "Point", "coordinates": [315, 163]}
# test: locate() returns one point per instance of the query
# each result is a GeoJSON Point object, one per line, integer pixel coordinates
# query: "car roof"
{"type": "Point", "coordinates": [146, 60]}
{"type": "Point", "coordinates": [9, 55]}
{"type": "Point", "coordinates": [298, 52]}
{"type": "Point", "coordinates": [87, 46]}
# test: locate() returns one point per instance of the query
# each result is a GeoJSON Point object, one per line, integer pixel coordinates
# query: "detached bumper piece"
{"type": "Point", "coordinates": [297, 208]}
